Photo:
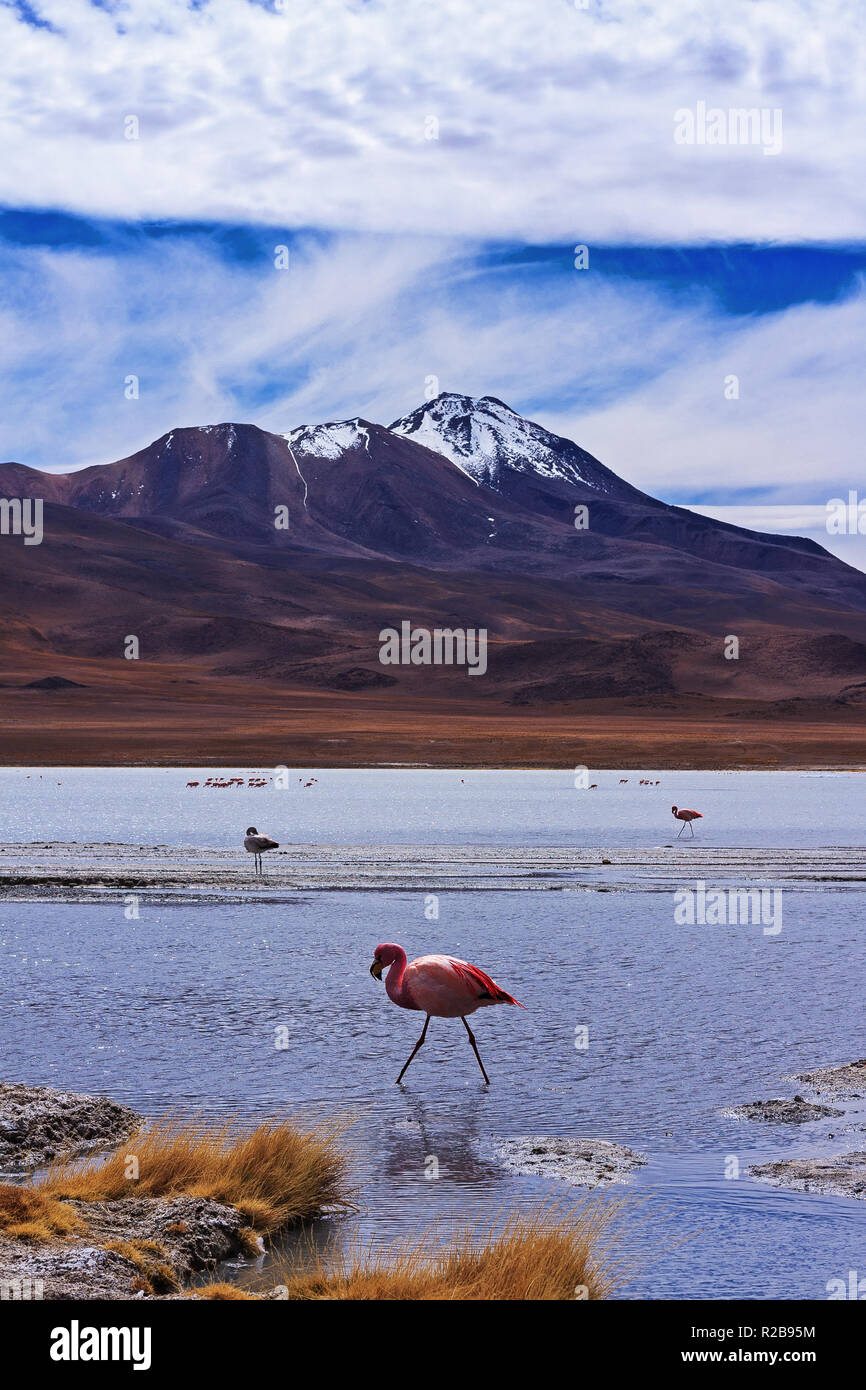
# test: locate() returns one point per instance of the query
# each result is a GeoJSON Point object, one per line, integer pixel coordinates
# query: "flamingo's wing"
{"type": "Point", "coordinates": [450, 988]}
{"type": "Point", "coordinates": [481, 984]}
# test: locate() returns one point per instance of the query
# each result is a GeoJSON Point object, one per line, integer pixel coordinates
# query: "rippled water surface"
{"type": "Point", "coordinates": [182, 1007]}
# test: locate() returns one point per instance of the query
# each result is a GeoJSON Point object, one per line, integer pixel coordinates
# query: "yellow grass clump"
{"type": "Point", "coordinates": [275, 1174]}
{"type": "Point", "coordinates": [156, 1274]}
{"type": "Point", "coordinates": [221, 1291]}
{"type": "Point", "coordinates": [30, 1215]}
{"type": "Point", "coordinates": [548, 1253]}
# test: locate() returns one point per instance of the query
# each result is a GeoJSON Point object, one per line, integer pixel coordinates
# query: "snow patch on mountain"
{"type": "Point", "coordinates": [329, 441]}
{"type": "Point", "coordinates": [227, 429]}
{"type": "Point", "coordinates": [483, 436]}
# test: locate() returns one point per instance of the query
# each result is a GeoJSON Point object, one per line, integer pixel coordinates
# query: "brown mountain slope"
{"type": "Point", "coordinates": [176, 545]}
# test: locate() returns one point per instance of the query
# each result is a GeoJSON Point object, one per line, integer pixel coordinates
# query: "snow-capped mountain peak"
{"type": "Point", "coordinates": [483, 436]}
{"type": "Point", "coordinates": [330, 441]}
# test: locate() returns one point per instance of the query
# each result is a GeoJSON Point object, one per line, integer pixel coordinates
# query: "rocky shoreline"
{"type": "Point", "coordinates": [38, 1123]}
{"type": "Point", "coordinates": [132, 1248]}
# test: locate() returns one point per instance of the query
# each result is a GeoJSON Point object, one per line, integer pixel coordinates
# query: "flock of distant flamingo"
{"type": "Point", "coordinates": [220, 784]}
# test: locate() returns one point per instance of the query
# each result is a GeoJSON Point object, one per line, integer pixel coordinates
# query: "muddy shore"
{"type": "Point", "coordinates": [579, 1162]}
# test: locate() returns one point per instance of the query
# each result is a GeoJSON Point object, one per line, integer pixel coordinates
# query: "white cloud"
{"type": "Point", "coordinates": [794, 434]}
{"type": "Point", "coordinates": [555, 123]}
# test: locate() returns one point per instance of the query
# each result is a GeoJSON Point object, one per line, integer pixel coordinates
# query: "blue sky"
{"type": "Point", "coordinates": [432, 169]}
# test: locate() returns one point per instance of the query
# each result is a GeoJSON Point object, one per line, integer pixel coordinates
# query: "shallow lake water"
{"type": "Point", "coordinates": [184, 1006]}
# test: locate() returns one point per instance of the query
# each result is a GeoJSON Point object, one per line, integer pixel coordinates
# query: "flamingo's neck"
{"type": "Point", "coordinates": [394, 980]}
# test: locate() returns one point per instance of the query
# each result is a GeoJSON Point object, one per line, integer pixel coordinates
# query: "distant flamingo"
{"type": "Point", "coordinates": [439, 986]}
{"type": "Point", "coordinates": [257, 844]}
{"type": "Point", "coordinates": [687, 817]}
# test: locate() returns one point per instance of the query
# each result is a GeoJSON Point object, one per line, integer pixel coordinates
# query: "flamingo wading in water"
{"type": "Point", "coordinates": [438, 986]}
{"type": "Point", "coordinates": [686, 817]}
{"type": "Point", "coordinates": [257, 844]}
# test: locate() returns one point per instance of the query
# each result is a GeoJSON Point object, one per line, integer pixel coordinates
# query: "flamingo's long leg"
{"type": "Point", "coordinates": [475, 1050]}
{"type": "Point", "coordinates": [682, 828]}
{"type": "Point", "coordinates": [418, 1044]}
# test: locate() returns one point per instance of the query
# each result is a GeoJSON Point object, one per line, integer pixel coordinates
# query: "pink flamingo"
{"type": "Point", "coordinates": [439, 986]}
{"type": "Point", "coordinates": [687, 817]}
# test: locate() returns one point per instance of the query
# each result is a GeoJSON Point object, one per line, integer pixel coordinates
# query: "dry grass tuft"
{"type": "Point", "coordinates": [37, 1217]}
{"type": "Point", "coordinates": [274, 1175]}
{"type": "Point", "coordinates": [157, 1275]}
{"type": "Point", "coordinates": [251, 1242]}
{"type": "Point", "coordinates": [221, 1291]}
{"type": "Point", "coordinates": [549, 1253]}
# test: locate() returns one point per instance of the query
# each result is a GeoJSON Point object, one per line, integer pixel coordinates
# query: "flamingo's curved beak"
{"type": "Point", "coordinates": [376, 970]}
